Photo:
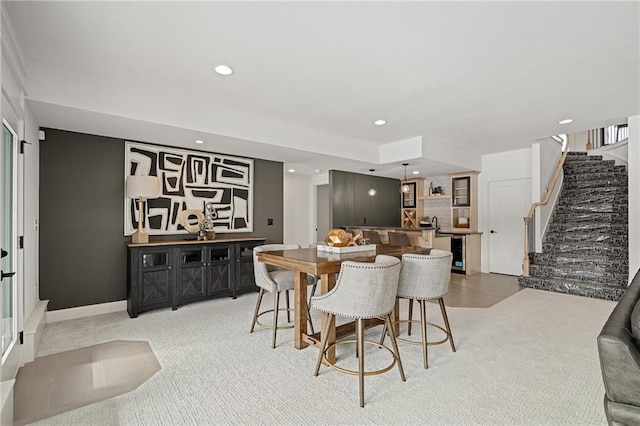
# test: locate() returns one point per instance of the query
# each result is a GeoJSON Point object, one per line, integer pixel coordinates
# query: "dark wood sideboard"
{"type": "Point", "coordinates": [166, 274]}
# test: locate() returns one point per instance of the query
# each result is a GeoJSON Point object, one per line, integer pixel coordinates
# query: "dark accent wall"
{"type": "Point", "coordinates": [351, 204]}
{"type": "Point", "coordinates": [83, 255]}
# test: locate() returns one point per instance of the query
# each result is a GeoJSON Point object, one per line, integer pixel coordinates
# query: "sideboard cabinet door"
{"type": "Point", "coordinates": [150, 281]}
{"type": "Point", "coordinates": [245, 279]}
{"type": "Point", "coordinates": [219, 270]}
{"type": "Point", "coordinates": [192, 281]}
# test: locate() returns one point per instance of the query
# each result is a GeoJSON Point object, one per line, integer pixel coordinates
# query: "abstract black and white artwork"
{"type": "Point", "coordinates": [189, 180]}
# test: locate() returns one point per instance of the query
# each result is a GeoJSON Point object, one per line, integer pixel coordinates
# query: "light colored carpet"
{"type": "Point", "coordinates": [64, 381]}
{"type": "Point", "coordinates": [528, 360]}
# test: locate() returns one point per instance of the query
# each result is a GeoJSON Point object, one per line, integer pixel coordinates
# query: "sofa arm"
{"type": "Point", "coordinates": [620, 364]}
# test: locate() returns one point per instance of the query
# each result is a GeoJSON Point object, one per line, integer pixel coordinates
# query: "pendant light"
{"type": "Point", "coordinates": [372, 190]}
{"type": "Point", "coordinates": [405, 188]}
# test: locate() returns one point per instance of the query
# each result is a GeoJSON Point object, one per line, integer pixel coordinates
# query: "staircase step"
{"type": "Point", "coordinates": [583, 260]}
{"type": "Point", "coordinates": [604, 248]}
{"type": "Point", "coordinates": [618, 207]}
{"type": "Point", "coordinates": [588, 227]}
{"type": "Point", "coordinates": [594, 199]}
{"type": "Point", "coordinates": [575, 287]}
{"type": "Point", "coordinates": [596, 176]}
{"type": "Point", "coordinates": [594, 190]}
{"type": "Point", "coordinates": [585, 239]}
{"type": "Point", "coordinates": [594, 274]}
{"type": "Point", "coordinates": [589, 217]}
{"type": "Point", "coordinates": [590, 168]}
{"type": "Point", "coordinates": [592, 183]}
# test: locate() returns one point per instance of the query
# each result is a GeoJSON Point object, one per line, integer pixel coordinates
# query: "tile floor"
{"type": "Point", "coordinates": [64, 381]}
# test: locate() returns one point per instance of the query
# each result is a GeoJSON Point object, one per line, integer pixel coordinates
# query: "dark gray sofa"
{"type": "Point", "coordinates": [620, 360]}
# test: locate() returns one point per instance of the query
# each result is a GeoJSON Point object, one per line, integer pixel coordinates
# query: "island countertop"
{"type": "Point", "coordinates": [439, 232]}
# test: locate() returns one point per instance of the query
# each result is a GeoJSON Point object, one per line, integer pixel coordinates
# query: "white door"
{"type": "Point", "coordinates": [8, 245]}
{"type": "Point", "coordinates": [509, 201]}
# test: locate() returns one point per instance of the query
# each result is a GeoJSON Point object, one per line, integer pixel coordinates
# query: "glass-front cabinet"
{"type": "Point", "coordinates": [464, 202]}
{"type": "Point", "coordinates": [461, 191]}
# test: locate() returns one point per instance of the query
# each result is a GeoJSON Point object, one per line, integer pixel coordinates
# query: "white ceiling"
{"type": "Point", "coordinates": [457, 79]}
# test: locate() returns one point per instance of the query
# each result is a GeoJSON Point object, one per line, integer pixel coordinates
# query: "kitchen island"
{"type": "Point", "coordinates": [465, 246]}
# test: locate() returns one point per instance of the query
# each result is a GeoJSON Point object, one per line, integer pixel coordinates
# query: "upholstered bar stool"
{"type": "Point", "coordinates": [399, 239]}
{"type": "Point", "coordinates": [373, 236]}
{"type": "Point", "coordinates": [362, 291]}
{"type": "Point", "coordinates": [423, 278]}
{"type": "Point", "coordinates": [272, 280]}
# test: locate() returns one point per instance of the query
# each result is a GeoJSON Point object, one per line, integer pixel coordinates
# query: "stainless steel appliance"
{"type": "Point", "coordinates": [458, 243]}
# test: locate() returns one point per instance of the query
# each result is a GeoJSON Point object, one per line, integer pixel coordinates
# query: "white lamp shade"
{"type": "Point", "coordinates": [142, 187]}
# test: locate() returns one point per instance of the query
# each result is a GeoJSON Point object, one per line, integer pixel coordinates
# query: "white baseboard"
{"type": "Point", "coordinates": [86, 311]}
{"type": "Point", "coordinates": [33, 330]}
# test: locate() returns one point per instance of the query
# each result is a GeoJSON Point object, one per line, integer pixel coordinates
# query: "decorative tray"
{"type": "Point", "coordinates": [348, 249]}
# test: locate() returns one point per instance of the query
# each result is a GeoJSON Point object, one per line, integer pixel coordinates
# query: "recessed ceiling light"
{"type": "Point", "coordinates": [379, 122]}
{"type": "Point", "coordinates": [416, 172]}
{"type": "Point", "coordinates": [566, 121]}
{"type": "Point", "coordinates": [292, 170]}
{"type": "Point", "coordinates": [223, 70]}
{"type": "Point", "coordinates": [199, 141]}
{"type": "Point", "coordinates": [318, 170]}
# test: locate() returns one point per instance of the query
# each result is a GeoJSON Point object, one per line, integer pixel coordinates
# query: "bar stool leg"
{"type": "Point", "coordinates": [276, 305]}
{"type": "Point", "coordinates": [410, 315]}
{"type": "Point", "coordinates": [255, 312]}
{"type": "Point", "coordinates": [446, 323]}
{"type": "Point", "coordinates": [423, 324]}
{"type": "Point", "coordinates": [360, 352]}
{"type": "Point", "coordinates": [323, 342]}
{"type": "Point", "coordinates": [288, 310]}
{"type": "Point", "coordinates": [394, 342]}
{"type": "Point", "coordinates": [313, 291]}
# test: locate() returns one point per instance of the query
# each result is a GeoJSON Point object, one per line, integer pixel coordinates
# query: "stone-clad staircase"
{"type": "Point", "coordinates": [585, 249]}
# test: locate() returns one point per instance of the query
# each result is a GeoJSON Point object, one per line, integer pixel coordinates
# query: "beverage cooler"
{"type": "Point", "coordinates": [459, 253]}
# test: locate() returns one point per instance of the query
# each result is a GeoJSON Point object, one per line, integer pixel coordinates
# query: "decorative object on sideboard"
{"type": "Point", "coordinates": [191, 220]}
{"type": "Point", "coordinates": [211, 214]}
{"type": "Point", "coordinates": [141, 188]}
{"type": "Point", "coordinates": [372, 190]}
{"type": "Point", "coordinates": [405, 188]}
{"type": "Point", "coordinates": [437, 190]}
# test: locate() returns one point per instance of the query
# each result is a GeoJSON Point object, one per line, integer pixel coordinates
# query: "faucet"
{"type": "Point", "coordinates": [435, 219]}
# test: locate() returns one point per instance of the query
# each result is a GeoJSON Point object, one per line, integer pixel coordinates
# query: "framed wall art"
{"type": "Point", "coordinates": [190, 181]}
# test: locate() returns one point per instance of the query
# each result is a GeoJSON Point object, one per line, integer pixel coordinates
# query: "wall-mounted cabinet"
{"type": "Point", "coordinates": [464, 202]}
{"type": "Point", "coordinates": [412, 209]}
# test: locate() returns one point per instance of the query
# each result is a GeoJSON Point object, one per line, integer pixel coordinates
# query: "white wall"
{"type": "Point", "coordinates": [496, 167]}
{"type": "Point", "coordinates": [545, 155]}
{"type": "Point", "coordinates": [634, 195]}
{"type": "Point", "coordinates": [299, 194]}
{"type": "Point", "coordinates": [31, 212]}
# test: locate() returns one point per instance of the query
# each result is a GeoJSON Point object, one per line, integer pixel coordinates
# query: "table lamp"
{"type": "Point", "coordinates": [141, 188]}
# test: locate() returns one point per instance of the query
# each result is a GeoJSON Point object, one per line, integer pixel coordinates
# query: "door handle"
{"type": "Point", "coordinates": [493, 232]}
{"type": "Point", "coordinates": [4, 275]}
{"type": "Point", "coordinates": [3, 253]}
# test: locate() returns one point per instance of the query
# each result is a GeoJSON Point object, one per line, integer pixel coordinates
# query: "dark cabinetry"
{"type": "Point", "coordinates": [170, 274]}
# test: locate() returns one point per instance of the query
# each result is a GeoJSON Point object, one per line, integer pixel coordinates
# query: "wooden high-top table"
{"type": "Point", "coordinates": [326, 265]}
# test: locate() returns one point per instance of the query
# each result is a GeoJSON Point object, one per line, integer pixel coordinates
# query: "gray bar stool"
{"type": "Point", "coordinates": [362, 291]}
{"type": "Point", "coordinates": [272, 280]}
{"type": "Point", "coordinates": [423, 278]}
